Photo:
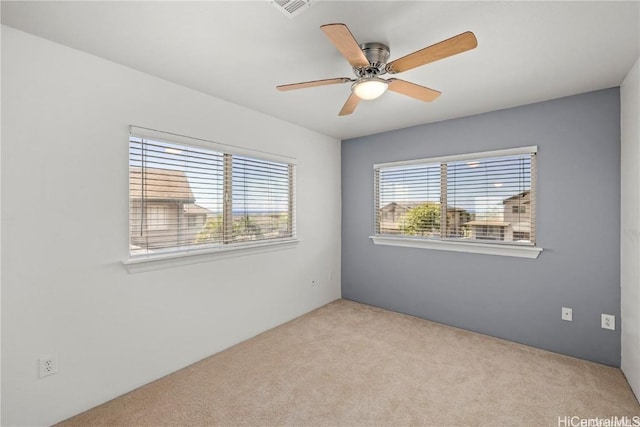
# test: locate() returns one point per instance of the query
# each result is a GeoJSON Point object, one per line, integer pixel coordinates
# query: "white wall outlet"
{"type": "Point", "coordinates": [48, 364]}
{"type": "Point", "coordinates": [608, 321]}
{"type": "Point", "coordinates": [567, 314]}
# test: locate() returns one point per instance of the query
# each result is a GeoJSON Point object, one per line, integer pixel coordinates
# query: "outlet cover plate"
{"type": "Point", "coordinates": [608, 321]}
{"type": "Point", "coordinates": [567, 314]}
{"type": "Point", "coordinates": [48, 364]}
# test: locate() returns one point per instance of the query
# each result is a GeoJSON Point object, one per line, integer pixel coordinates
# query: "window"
{"type": "Point", "coordinates": [157, 217]}
{"type": "Point", "coordinates": [521, 236]}
{"type": "Point", "coordinates": [490, 232]}
{"type": "Point", "coordinates": [190, 196]}
{"type": "Point", "coordinates": [486, 198]}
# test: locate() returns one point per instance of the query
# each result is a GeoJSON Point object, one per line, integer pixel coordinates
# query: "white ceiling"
{"type": "Point", "coordinates": [240, 50]}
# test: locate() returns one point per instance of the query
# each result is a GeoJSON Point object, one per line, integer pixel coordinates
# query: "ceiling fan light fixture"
{"type": "Point", "coordinates": [369, 88]}
{"type": "Point", "coordinates": [369, 60]}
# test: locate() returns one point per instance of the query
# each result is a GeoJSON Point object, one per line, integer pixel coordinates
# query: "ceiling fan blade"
{"type": "Point", "coordinates": [458, 44]}
{"type": "Point", "coordinates": [413, 90]}
{"type": "Point", "coordinates": [350, 105]}
{"type": "Point", "coordinates": [313, 83]}
{"type": "Point", "coordinates": [344, 41]}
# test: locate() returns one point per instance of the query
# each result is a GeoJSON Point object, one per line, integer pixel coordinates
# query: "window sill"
{"type": "Point", "coordinates": [156, 262]}
{"type": "Point", "coordinates": [520, 251]}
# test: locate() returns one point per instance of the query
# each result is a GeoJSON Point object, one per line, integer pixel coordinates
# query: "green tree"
{"type": "Point", "coordinates": [245, 226]}
{"type": "Point", "coordinates": [211, 231]}
{"type": "Point", "coordinates": [424, 219]}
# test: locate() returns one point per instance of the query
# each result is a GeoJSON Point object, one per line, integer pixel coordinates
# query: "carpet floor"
{"type": "Point", "coordinates": [349, 364]}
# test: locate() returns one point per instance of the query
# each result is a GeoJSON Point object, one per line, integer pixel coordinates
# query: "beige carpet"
{"type": "Point", "coordinates": [354, 365]}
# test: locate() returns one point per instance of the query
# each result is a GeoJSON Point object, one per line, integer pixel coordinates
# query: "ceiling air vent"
{"type": "Point", "coordinates": [292, 8]}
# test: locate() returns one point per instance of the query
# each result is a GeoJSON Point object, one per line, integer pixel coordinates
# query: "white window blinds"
{"type": "Point", "coordinates": [261, 199]}
{"type": "Point", "coordinates": [185, 198]}
{"type": "Point", "coordinates": [488, 197]}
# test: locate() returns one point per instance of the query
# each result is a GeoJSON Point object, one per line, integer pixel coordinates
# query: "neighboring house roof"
{"type": "Point", "coordinates": [403, 206]}
{"type": "Point", "coordinates": [518, 196]}
{"type": "Point", "coordinates": [160, 185]}
{"type": "Point", "coordinates": [193, 209]}
{"type": "Point", "coordinates": [454, 209]}
{"type": "Point", "coordinates": [390, 206]}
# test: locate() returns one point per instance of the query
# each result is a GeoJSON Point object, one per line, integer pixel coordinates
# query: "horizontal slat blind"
{"type": "Point", "coordinates": [261, 199]}
{"type": "Point", "coordinates": [184, 198]}
{"type": "Point", "coordinates": [488, 199]}
{"type": "Point", "coordinates": [409, 199]}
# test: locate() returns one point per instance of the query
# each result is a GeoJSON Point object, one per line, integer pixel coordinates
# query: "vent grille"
{"type": "Point", "coordinates": [292, 8]}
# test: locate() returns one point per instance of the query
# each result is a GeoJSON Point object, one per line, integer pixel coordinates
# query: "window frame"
{"type": "Point", "coordinates": [227, 248]}
{"type": "Point", "coordinates": [156, 217]}
{"type": "Point", "coordinates": [518, 209]}
{"type": "Point", "coordinates": [512, 248]}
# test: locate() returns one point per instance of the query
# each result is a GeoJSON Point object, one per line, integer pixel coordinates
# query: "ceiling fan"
{"type": "Point", "coordinates": [369, 62]}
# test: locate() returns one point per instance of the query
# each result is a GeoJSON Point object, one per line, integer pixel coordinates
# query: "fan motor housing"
{"type": "Point", "coordinates": [377, 54]}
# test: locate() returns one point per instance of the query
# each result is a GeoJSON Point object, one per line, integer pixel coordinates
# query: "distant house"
{"type": "Point", "coordinates": [162, 209]}
{"type": "Point", "coordinates": [490, 230]}
{"type": "Point", "coordinates": [457, 220]}
{"type": "Point", "coordinates": [515, 224]}
{"type": "Point", "coordinates": [517, 212]}
{"type": "Point", "coordinates": [393, 217]}
{"type": "Point", "coordinates": [196, 216]}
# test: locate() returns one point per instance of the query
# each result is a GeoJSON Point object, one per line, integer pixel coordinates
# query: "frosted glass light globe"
{"type": "Point", "coordinates": [369, 88]}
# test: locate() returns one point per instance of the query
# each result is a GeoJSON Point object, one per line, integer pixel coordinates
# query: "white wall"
{"type": "Point", "coordinates": [630, 227]}
{"type": "Point", "coordinates": [0, 231]}
{"type": "Point", "coordinates": [64, 234]}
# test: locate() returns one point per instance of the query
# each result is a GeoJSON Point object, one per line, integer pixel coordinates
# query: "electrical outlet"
{"type": "Point", "coordinates": [608, 321]}
{"type": "Point", "coordinates": [567, 314]}
{"type": "Point", "coordinates": [48, 364]}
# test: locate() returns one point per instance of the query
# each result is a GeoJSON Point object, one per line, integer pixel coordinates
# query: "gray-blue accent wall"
{"type": "Point", "coordinates": [518, 299]}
